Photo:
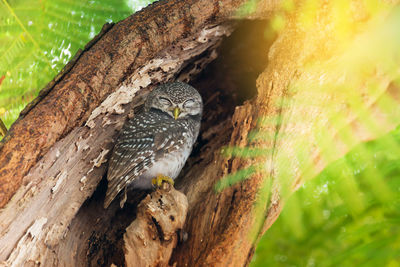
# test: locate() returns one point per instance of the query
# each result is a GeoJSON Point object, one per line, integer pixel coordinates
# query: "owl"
{"type": "Point", "coordinates": [154, 145]}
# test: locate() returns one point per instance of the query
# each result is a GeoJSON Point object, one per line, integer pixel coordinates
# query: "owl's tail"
{"type": "Point", "coordinates": [114, 187]}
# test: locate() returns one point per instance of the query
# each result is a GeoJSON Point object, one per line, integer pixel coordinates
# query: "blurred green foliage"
{"type": "Point", "coordinates": [37, 38]}
{"type": "Point", "coordinates": [349, 215]}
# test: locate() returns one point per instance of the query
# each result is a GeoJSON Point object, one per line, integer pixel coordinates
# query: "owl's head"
{"type": "Point", "coordinates": [177, 99]}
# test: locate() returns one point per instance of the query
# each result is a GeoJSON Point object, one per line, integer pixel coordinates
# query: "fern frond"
{"type": "Point", "coordinates": [38, 38]}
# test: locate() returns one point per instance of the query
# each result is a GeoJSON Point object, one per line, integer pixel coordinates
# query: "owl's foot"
{"type": "Point", "coordinates": [160, 179]}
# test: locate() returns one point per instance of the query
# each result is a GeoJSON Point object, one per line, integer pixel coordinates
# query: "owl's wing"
{"type": "Point", "coordinates": [128, 161]}
{"type": "Point", "coordinates": [135, 152]}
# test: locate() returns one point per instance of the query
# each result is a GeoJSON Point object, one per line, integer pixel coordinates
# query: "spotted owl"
{"type": "Point", "coordinates": [157, 141]}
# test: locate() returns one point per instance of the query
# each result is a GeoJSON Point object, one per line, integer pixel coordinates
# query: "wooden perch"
{"type": "Point", "coordinates": [151, 237]}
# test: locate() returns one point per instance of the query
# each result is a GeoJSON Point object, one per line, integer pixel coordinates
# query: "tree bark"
{"type": "Point", "coordinates": [165, 211]}
{"type": "Point", "coordinates": [53, 159]}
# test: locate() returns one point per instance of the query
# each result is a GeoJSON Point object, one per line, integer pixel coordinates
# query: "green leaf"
{"type": "Point", "coordinates": [37, 39]}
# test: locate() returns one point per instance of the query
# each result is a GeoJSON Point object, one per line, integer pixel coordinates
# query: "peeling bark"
{"type": "Point", "coordinates": [150, 239]}
{"type": "Point", "coordinates": [78, 157]}
{"type": "Point", "coordinates": [105, 64]}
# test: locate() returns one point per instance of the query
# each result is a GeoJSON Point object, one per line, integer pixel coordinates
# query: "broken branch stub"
{"type": "Point", "coordinates": [150, 239]}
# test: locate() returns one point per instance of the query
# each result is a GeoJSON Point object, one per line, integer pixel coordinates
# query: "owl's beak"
{"type": "Point", "coordinates": [176, 112]}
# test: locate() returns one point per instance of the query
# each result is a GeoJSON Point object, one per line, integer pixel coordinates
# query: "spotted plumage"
{"type": "Point", "coordinates": [157, 141]}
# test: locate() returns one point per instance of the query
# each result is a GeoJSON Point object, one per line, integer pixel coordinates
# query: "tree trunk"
{"type": "Point", "coordinates": [53, 159]}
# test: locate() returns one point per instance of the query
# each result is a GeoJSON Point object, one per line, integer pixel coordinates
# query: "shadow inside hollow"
{"type": "Point", "coordinates": [224, 84]}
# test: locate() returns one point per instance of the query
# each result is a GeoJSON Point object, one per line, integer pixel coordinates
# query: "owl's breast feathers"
{"type": "Point", "coordinates": [142, 142]}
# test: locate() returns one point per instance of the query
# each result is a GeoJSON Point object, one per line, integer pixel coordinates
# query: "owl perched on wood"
{"type": "Point", "coordinates": [155, 144]}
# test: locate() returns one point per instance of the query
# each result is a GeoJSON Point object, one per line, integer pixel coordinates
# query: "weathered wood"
{"type": "Point", "coordinates": [53, 158]}
{"type": "Point", "coordinates": [98, 71]}
{"type": "Point", "coordinates": [67, 175]}
{"type": "Point", "coordinates": [150, 239]}
{"type": "Point", "coordinates": [233, 221]}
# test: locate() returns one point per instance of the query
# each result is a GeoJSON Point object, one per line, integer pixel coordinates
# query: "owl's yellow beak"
{"type": "Point", "coordinates": [176, 112]}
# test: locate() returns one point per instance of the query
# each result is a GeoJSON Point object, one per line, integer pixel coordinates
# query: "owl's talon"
{"type": "Point", "coordinates": [160, 179]}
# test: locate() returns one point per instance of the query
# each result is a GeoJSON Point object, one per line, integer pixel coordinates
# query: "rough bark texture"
{"type": "Point", "coordinates": [104, 65]}
{"type": "Point", "coordinates": [52, 161]}
{"type": "Point", "coordinates": [163, 211]}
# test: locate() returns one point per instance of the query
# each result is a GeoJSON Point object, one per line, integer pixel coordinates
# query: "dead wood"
{"type": "Point", "coordinates": [53, 158]}
{"type": "Point", "coordinates": [150, 239]}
